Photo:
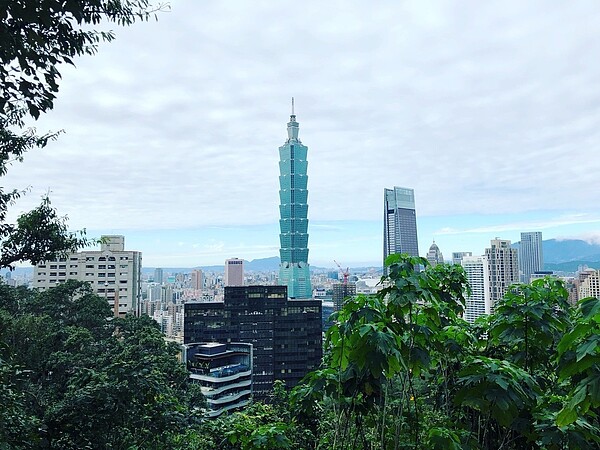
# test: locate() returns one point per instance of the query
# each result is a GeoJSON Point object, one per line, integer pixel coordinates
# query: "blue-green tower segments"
{"type": "Point", "coordinates": [294, 271]}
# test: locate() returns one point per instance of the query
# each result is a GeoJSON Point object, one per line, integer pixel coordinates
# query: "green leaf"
{"type": "Point", "coordinates": [567, 341]}
{"type": "Point", "coordinates": [589, 307]}
{"type": "Point", "coordinates": [566, 417]}
{"type": "Point", "coordinates": [587, 348]}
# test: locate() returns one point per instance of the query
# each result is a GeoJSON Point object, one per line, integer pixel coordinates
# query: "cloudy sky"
{"type": "Point", "coordinates": [489, 110]}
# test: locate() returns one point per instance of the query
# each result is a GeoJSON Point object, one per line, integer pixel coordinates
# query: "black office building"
{"type": "Point", "coordinates": [286, 333]}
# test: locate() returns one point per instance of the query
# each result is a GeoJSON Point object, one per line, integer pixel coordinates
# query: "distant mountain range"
{"type": "Point", "coordinates": [556, 251]}
{"type": "Point", "coordinates": [568, 254]}
{"type": "Point", "coordinates": [256, 265]}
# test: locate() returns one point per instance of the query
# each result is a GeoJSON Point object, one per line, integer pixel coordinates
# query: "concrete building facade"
{"type": "Point", "coordinates": [112, 272]}
{"type": "Point", "coordinates": [503, 264]}
{"type": "Point", "coordinates": [479, 302]}
{"type": "Point", "coordinates": [434, 255]}
{"type": "Point", "coordinates": [197, 279]}
{"type": "Point", "coordinates": [589, 286]}
{"type": "Point", "coordinates": [457, 257]}
{"type": "Point", "coordinates": [234, 272]}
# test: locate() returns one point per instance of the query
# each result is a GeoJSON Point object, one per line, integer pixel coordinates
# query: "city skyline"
{"type": "Point", "coordinates": [489, 114]}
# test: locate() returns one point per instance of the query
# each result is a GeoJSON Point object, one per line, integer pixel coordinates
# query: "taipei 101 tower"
{"type": "Point", "coordinates": [293, 196]}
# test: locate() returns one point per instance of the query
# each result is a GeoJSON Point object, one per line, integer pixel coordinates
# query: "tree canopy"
{"type": "Point", "coordinates": [72, 377]}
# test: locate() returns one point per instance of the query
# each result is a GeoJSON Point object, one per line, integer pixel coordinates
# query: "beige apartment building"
{"type": "Point", "coordinates": [589, 284]}
{"type": "Point", "coordinates": [111, 271]}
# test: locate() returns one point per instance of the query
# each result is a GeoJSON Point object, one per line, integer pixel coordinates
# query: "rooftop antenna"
{"type": "Point", "coordinates": [292, 106]}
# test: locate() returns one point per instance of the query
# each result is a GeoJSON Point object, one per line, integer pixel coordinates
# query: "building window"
{"type": "Point", "coordinates": [89, 258]}
{"type": "Point", "coordinates": [102, 266]}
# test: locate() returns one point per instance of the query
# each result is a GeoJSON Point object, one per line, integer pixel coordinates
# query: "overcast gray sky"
{"type": "Point", "coordinates": [489, 110]}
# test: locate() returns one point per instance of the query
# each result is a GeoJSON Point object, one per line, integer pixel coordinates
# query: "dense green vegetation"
{"type": "Point", "coordinates": [73, 378]}
{"type": "Point", "coordinates": [402, 370]}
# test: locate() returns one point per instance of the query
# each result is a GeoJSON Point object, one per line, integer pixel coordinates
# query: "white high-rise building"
{"type": "Point", "coordinates": [112, 272]}
{"type": "Point", "coordinates": [457, 257]}
{"type": "Point", "coordinates": [479, 302]}
{"type": "Point", "coordinates": [234, 272]}
{"type": "Point", "coordinates": [531, 257]}
{"type": "Point", "coordinates": [503, 264]}
{"type": "Point", "coordinates": [590, 284]}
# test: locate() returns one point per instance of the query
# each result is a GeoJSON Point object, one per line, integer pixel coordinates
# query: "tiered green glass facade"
{"type": "Point", "coordinates": [294, 271]}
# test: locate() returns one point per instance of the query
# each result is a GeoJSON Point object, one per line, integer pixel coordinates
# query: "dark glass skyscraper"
{"type": "Point", "coordinates": [399, 222]}
{"type": "Point", "coordinates": [293, 195]}
{"type": "Point", "coordinates": [285, 334]}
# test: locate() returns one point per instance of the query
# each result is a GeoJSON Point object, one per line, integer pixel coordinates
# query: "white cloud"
{"type": "Point", "coordinates": [491, 108]}
{"type": "Point", "coordinates": [564, 220]}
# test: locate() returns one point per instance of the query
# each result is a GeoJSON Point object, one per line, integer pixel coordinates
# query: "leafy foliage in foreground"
{"type": "Point", "coordinates": [70, 378]}
{"type": "Point", "coordinates": [402, 370]}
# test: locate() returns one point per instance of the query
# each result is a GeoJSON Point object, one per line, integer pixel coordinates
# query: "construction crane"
{"type": "Point", "coordinates": [345, 273]}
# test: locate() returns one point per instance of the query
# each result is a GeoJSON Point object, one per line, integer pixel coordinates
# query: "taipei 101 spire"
{"type": "Point", "coordinates": [293, 209]}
